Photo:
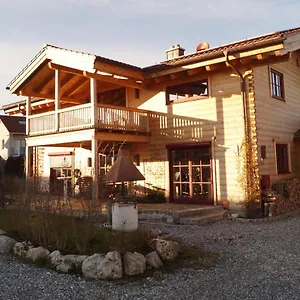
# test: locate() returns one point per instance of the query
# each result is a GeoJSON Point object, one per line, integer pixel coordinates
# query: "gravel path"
{"type": "Point", "coordinates": [259, 261]}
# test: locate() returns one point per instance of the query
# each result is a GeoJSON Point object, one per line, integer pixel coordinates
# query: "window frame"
{"type": "Point", "coordinates": [276, 84]}
{"type": "Point", "coordinates": [187, 99]}
{"type": "Point", "coordinates": [282, 167]}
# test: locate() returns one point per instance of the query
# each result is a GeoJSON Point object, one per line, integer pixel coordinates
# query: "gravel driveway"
{"type": "Point", "coordinates": [259, 261]}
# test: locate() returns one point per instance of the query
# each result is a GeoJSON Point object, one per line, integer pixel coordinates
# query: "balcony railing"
{"type": "Point", "coordinates": [79, 117]}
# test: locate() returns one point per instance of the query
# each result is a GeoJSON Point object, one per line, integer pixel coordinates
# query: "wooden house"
{"type": "Point", "coordinates": [12, 136]}
{"type": "Point", "coordinates": [189, 122]}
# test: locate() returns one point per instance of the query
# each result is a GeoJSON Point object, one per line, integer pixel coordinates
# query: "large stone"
{"type": "Point", "coordinates": [38, 253]}
{"type": "Point", "coordinates": [111, 267]}
{"type": "Point", "coordinates": [2, 232]}
{"type": "Point", "coordinates": [91, 264]}
{"type": "Point", "coordinates": [6, 244]}
{"type": "Point", "coordinates": [153, 260]}
{"type": "Point", "coordinates": [70, 263]}
{"type": "Point", "coordinates": [101, 266]}
{"type": "Point", "coordinates": [167, 250]}
{"type": "Point", "coordinates": [21, 249]}
{"type": "Point", "coordinates": [55, 258]}
{"type": "Point", "coordinates": [134, 263]}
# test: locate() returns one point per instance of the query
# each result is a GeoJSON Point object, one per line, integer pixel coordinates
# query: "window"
{"type": "Point", "coordinates": [282, 158]}
{"type": "Point", "coordinates": [277, 87]}
{"type": "Point", "coordinates": [187, 91]}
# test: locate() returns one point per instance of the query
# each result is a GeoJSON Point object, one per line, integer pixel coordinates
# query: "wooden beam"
{"type": "Point", "coordinates": [211, 67]}
{"type": "Point", "coordinates": [269, 61]}
{"type": "Point", "coordinates": [57, 98]}
{"type": "Point", "coordinates": [221, 59]}
{"type": "Point", "coordinates": [110, 79]}
{"type": "Point", "coordinates": [47, 96]}
{"type": "Point", "coordinates": [93, 93]}
{"type": "Point", "coordinates": [177, 75]}
{"type": "Point", "coordinates": [76, 86]}
{"type": "Point", "coordinates": [195, 71]}
{"type": "Point", "coordinates": [28, 113]}
{"type": "Point", "coordinates": [123, 82]}
{"type": "Point", "coordinates": [44, 83]}
{"type": "Point", "coordinates": [246, 60]}
{"type": "Point", "coordinates": [262, 56]}
{"type": "Point", "coordinates": [119, 70]}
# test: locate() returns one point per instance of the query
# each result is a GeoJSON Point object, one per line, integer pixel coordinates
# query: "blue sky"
{"type": "Point", "coordinates": [133, 31]}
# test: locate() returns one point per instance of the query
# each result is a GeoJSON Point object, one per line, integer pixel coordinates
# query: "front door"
{"type": "Point", "coordinates": [191, 173]}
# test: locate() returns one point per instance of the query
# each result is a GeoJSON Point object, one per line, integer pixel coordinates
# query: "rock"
{"type": "Point", "coordinates": [70, 263]}
{"type": "Point", "coordinates": [167, 250]}
{"type": "Point", "coordinates": [21, 249]}
{"type": "Point", "coordinates": [234, 216]}
{"type": "Point", "coordinates": [2, 232]}
{"type": "Point", "coordinates": [101, 266]}
{"type": "Point", "coordinates": [38, 253]}
{"type": "Point", "coordinates": [90, 265]}
{"type": "Point", "coordinates": [6, 244]}
{"type": "Point", "coordinates": [134, 263]}
{"type": "Point", "coordinates": [56, 258]}
{"type": "Point", "coordinates": [111, 267]}
{"type": "Point", "coordinates": [153, 260]}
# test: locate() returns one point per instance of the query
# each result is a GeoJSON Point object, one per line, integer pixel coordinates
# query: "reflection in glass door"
{"type": "Point", "coordinates": [191, 180]}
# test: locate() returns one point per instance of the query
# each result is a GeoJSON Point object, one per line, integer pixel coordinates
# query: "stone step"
{"type": "Point", "coordinates": [198, 211]}
{"type": "Point", "coordinates": [203, 219]}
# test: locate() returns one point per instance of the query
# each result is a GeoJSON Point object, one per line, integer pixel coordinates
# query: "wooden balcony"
{"type": "Point", "coordinates": [112, 118]}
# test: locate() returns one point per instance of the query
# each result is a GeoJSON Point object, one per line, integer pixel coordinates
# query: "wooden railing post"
{"type": "Point", "coordinates": [28, 113]}
{"type": "Point", "coordinates": [57, 98]}
{"type": "Point", "coordinates": [95, 176]}
{"type": "Point", "coordinates": [93, 92]}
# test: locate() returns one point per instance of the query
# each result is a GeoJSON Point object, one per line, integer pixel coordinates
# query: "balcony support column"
{"type": "Point", "coordinates": [28, 113]}
{"type": "Point", "coordinates": [94, 147]}
{"type": "Point", "coordinates": [57, 98]}
{"type": "Point", "coordinates": [93, 92]}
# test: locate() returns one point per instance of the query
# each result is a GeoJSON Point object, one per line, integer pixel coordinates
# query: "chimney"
{"type": "Point", "coordinates": [175, 51]}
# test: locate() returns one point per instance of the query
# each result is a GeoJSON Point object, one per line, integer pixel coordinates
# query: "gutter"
{"type": "Point", "coordinates": [245, 112]}
{"type": "Point", "coordinates": [182, 60]}
{"type": "Point", "coordinates": [243, 93]}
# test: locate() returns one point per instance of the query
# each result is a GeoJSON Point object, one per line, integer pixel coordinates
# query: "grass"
{"type": "Point", "coordinates": [70, 234]}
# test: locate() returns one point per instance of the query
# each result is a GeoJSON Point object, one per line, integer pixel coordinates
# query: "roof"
{"type": "Point", "coordinates": [14, 125]}
{"type": "Point", "coordinates": [92, 64]}
{"type": "Point", "coordinates": [235, 46]}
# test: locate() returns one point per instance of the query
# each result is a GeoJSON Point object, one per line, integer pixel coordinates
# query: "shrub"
{"type": "Point", "coordinates": [52, 222]}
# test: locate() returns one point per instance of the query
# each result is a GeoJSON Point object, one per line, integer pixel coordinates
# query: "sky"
{"type": "Point", "coordinates": [133, 31]}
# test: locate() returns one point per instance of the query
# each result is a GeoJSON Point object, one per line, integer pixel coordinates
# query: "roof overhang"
{"type": "Point", "coordinates": [86, 65]}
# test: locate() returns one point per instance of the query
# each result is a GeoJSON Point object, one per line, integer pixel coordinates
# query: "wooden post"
{"type": "Point", "coordinates": [95, 194]}
{"type": "Point", "coordinates": [57, 98]}
{"type": "Point", "coordinates": [27, 149]}
{"type": "Point", "coordinates": [28, 113]}
{"type": "Point", "coordinates": [93, 92]}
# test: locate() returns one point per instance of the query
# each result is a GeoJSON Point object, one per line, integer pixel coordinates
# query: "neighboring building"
{"type": "Point", "coordinates": [12, 136]}
{"type": "Point", "coordinates": [186, 120]}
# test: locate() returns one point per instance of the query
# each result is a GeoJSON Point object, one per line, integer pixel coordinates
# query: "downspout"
{"type": "Point", "coordinates": [245, 113]}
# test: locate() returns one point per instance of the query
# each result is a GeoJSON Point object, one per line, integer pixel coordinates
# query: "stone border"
{"type": "Point", "coordinates": [99, 266]}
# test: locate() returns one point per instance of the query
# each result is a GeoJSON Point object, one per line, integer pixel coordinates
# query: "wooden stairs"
{"type": "Point", "coordinates": [184, 215]}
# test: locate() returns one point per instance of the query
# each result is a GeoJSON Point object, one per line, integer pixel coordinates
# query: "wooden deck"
{"type": "Point", "coordinates": [79, 117]}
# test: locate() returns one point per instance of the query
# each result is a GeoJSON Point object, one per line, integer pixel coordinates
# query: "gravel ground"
{"type": "Point", "coordinates": [259, 260]}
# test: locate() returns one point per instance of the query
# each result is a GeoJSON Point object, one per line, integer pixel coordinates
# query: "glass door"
{"type": "Point", "coordinates": [190, 172]}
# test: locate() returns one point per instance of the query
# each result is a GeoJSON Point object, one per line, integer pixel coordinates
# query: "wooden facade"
{"type": "Point", "coordinates": [189, 147]}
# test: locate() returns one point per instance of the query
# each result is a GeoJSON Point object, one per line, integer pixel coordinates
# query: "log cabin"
{"type": "Point", "coordinates": [198, 126]}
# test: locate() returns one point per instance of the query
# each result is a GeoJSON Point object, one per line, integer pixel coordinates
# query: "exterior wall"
{"type": "Point", "coordinates": [80, 161]}
{"type": "Point", "coordinates": [218, 119]}
{"type": "Point", "coordinates": [13, 145]}
{"type": "Point", "coordinates": [4, 136]}
{"type": "Point", "coordinates": [277, 121]}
